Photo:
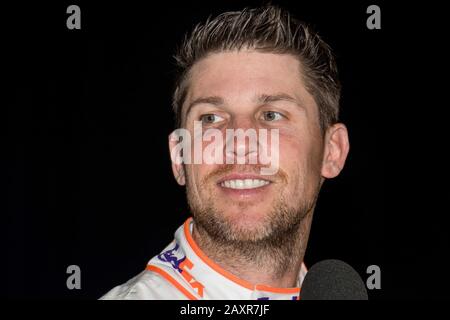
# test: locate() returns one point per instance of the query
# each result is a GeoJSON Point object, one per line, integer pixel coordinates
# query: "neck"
{"type": "Point", "coordinates": [277, 261]}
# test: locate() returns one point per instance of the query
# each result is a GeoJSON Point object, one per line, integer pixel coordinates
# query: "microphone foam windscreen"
{"type": "Point", "coordinates": [333, 280]}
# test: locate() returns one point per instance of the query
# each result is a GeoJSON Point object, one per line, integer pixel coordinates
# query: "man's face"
{"type": "Point", "coordinates": [249, 89]}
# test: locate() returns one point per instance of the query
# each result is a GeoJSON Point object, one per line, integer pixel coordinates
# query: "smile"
{"type": "Point", "coordinates": [244, 183]}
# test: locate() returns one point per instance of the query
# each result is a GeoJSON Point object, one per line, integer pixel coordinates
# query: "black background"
{"type": "Point", "coordinates": [86, 168]}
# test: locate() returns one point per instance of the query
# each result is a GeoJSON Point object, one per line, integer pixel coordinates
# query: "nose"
{"type": "Point", "coordinates": [241, 142]}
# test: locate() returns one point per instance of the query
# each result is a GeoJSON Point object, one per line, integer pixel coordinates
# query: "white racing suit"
{"type": "Point", "coordinates": [183, 271]}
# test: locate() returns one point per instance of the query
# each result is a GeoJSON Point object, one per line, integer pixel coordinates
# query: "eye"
{"type": "Point", "coordinates": [272, 116]}
{"type": "Point", "coordinates": [210, 118]}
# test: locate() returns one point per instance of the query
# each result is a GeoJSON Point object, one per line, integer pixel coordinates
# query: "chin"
{"type": "Point", "coordinates": [246, 217]}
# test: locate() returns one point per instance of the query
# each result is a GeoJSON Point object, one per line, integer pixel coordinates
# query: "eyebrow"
{"type": "Point", "coordinates": [266, 98]}
{"type": "Point", "coordinates": [214, 100]}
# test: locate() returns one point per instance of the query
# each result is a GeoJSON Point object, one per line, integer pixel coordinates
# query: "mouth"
{"type": "Point", "coordinates": [243, 182]}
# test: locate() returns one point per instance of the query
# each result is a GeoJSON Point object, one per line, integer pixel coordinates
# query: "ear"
{"type": "Point", "coordinates": [176, 156]}
{"type": "Point", "coordinates": [336, 150]}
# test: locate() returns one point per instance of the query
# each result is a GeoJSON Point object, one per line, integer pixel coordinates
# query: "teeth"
{"type": "Point", "coordinates": [244, 184]}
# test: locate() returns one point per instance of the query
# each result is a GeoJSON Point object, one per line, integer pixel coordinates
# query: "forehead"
{"type": "Point", "coordinates": [239, 75]}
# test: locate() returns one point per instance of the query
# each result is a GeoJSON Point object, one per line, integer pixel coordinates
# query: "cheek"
{"type": "Point", "coordinates": [301, 159]}
{"type": "Point", "coordinates": [196, 174]}
{"type": "Point", "coordinates": [293, 150]}
{"type": "Point", "coordinates": [193, 176]}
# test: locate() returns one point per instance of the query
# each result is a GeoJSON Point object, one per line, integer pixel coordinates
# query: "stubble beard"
{"type": "Point", "coordinates": [278, 240]}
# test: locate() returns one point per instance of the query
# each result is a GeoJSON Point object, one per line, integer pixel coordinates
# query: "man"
{"type": "Point", "coordinates": [262, 70]}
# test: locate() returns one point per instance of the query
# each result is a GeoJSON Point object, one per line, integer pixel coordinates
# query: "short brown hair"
{"type": "Point", "coordinates": [265, 29]}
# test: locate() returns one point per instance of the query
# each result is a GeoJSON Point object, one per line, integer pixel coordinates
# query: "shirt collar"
{"type": "Point", "coordinates": [218, 283]}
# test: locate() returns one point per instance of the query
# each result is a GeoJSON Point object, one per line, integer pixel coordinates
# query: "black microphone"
{"type": "Point", "coordinates": [333, 280]}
